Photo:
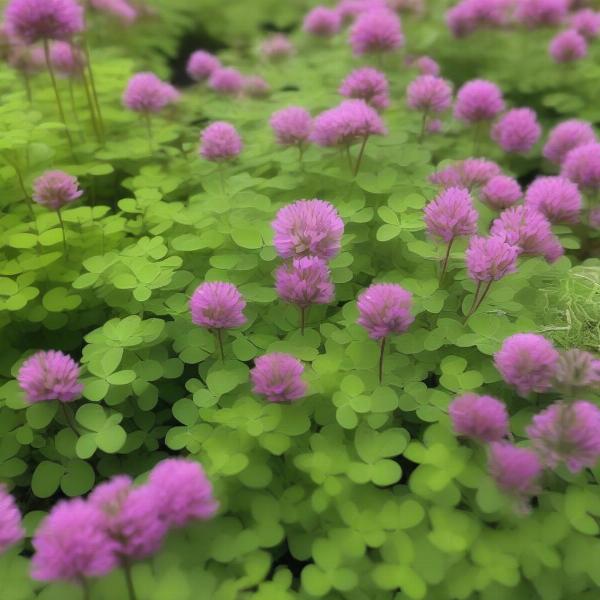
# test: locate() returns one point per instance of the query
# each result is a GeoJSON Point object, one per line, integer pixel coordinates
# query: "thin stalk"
{"type": "Point", "coordinates": [483, 295]}
{"type": "Point", "coordinates": [61, 111]}
{"type": "Point", "coordinates": [91, 107]}
{"type": "Point", "coordinates": [300, 153]}
{"type": "Point", "coordinates": [221, 177]}
{"type": "Point", "coordinates": [24, 191]}
{"type": "Point", "coordinates": [74, 107]}
{"type": "Point", "coordinates": [219, 336]}
{"type": "Point", "coordinates": [423, 126]}
{"type": "Point", "coordinates": [88, 60]}
{"type": "Point", "coordinates": [302, 319]}
{"type": "Point", "coordinates": [360, 155]}
{"type": "Point", "coordinates": [87, 592]}
{"type": "Point", "coordinates": [69, 418]}
{"type": "Point", "coordinates": [27, 83]}
{"type": "Point", "coordinates": [148, 122]}
{"type": "Point", "coordinates": [446, 260]}
{"type": "Point", "coordinates": [349, 158]}
{"type": "Point", "coordinates": [475, 297]}
{"type": "Point", "coordinates": [129, 579]}
{"type": "Point", "coordinates": [62, 224]}
{"type": "Point", "coordinates": [476, 140]}
{"type": "Point", "coordinates": [381, 356]}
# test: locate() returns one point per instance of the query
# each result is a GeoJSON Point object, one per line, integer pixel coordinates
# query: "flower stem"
{"type": "Point", "coordinates": [88, 60]}
{"type": "Point", "coordinates": [479, 298]}
{"type": "Point", "coordinates": [27, 82]}
{"type": "Point", "coordinates": [381, 356]}
{"type": "Point", "coordinates": [129, 579]}
{"type": "Point", "coordinates": [221, 177]}
{"type": "Point", "coordinates": [302, 319]}
{"type": "Point", "coordinates": [91, 107]}
{"type": "Point", "coordinates": [423, 126]}
{"type": "Point", "coordinates": [219, 336]}
{"type": "Point", "coordinates": [446, 260]}
{"type": "Point", "coordinates": [74, 107]}
{"type": "Point", "coordinates": [476, 140]}
{"type": "Point", "coordinates": [64, 233]}
{"type": "Point", "coordinates": [360, 155]}
{"type": "Point", "coordinates": [61, 111]}
{"type": "Point", "coordinates": [85, 586]}
{"type": "Point", "coordinates": [148, 122]}
{"type": "Point", "coordinates": [68, 415]}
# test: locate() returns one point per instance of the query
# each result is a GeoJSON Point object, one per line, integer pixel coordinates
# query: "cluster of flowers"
{"type": "Point", "coordinates": [204, 67]}
{"type": "Point", "coordinates": [119, 523]}
{"type": "Point", "coordinates": [353, 121]}
{"type": "Point", "coordinates": [571, 44]}
{"type": "Point", "coordinates": [518, 230]}
{"type": "Point", "coordinates": [567, 431]}
{"type": "Point", "coordinates": [376, 27]}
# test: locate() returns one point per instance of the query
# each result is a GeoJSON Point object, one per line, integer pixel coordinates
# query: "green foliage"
{"type": "Point", "coordinates": [360, 491]}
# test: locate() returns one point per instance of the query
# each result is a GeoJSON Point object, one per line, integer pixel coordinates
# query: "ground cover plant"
{"type": "Point", "coordinates": [299, 301]}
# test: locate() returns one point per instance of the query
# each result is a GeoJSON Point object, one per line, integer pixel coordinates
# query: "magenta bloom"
{"type": "Point", "coordinates": [277, 47]}
{"type": "Point", "coordinates": [278, 377]}
{"type": "Point", "coordinates": [256, 87]}
{"type": "Point", "coordinates": [528, 229]}
{"type": "Point", "coordinates": [587, 23]}
{"type": "Point", "coordinates": [481, 418]}
{"type": "Point", "coordinates": [56, 189]}
{"type": "Point", "coordinates": [376, 31]}
{"type": "Point", "coordinates": [501, 192]}
{"type": "Point", "coordinates": [35, 20]}
{"type": "Point", "coordinates": [566, 136]}
{"type": "Point", "coordinates": [577, 369]}
{"type": "Point", "coordinates": [517, 131]}
{"type": "Point", "coordinates": [146, 93]}
{"type": "Point", "coordinates": [434, 126]}
{"type": "Point", "coordinates": [515, 470]}
{"type": "Point", "coordinates": [582, 166]}
{"type": "Point", "coordinates": [217, 305]}
{"type": "Point", "coordinates": [131, 517]}
{"type": "Point", "coordinates": [66, 59]}
{"type": "Point", "coordinates": [470, 173]}
{"type": "Point", "coordinates": [220, 142]}
{"type": "Point", "coordinates": [11, 530]}
{"type": "Point", "coordinates": [201, 65]}
{"type": "Point", "coordinates": [183, 492]}
{"type": "Point", "coordinates": [72, 543]}
{"type": "Point", "coordinates": [528, 362]}
{"type": "Point", "coordinates": [120, 9]}
{"type": "Point", "coordinates": [557, 198]}
{"type": "Point", "coordinates": [568, 46]}
{"type": "Point", "coordinates": [478, 100]}
{"type": "Point", "coordinates": [227, 81]}
{"type": "Point", "coordinates": [346, 124]}
{"type": "Point", "coordinates": [306, 281]}
{"type": "Point", "coordinates": [292, 126]}
{"type": "Point", "coordinates": [427, 66]}
{"type": "Point", "coordinates": [567, 433]}
{"type": "Point", "coordinates": [322, 21]}
{"type": "Point", "coordinates": [429, 94]}
{"type": "Point", "coordinates": [385, 308]}
{"type": "Point", "coordinates": [539, 13]}
{"type": "Point", "coordinates": [451, 215]}
{"type": "Point", "coordinates": [369, 85]}
{"type": "Point", "coordinates": [50, 375]}
{"type": "Point", "coordinates": [469, 15]}
{"type": "Point", "coordinates": [490, 258]}
{"type": "Point", "coordinates": [308, 228]}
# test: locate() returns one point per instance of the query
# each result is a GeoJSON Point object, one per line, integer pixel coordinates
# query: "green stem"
{"type": "Point", "coordinates": [91, 107]}
{"type": "Point", "coordinates": [129, 580]}
{"type": "Point", "coordinates": [446, 260]}
{"type": "Point", "coordinates": [27, 83]}
{"type": "Point", "coordinates": [381, 356]}
{"type": "Point", "coordinates": [302, 319]}
{"type": "Point", "coordinates": [88, 60]}
{"type": "Point", "coordinates": [62, 224]}
{"type": "Point", "coordinates": [87, 592]}
{"type": "Point", "coordinates": [59, 104]}
{"type": "Point", "coordinates": [68, 415]}
{"type": "Point", "coordinates": [423, 126]}
{"type": "Point", "coordinates": [221, 177]}
{"type": "Point", "coordinates": [476, 140]}
{"type": "Point", "coordinates": [219, 336]}
{"type": "Point", "coordinates": [360, 155]}
{"type": "Point", "coordinates": [74, 108]}
{"type": "Point", "coordinates": [148, 122]}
